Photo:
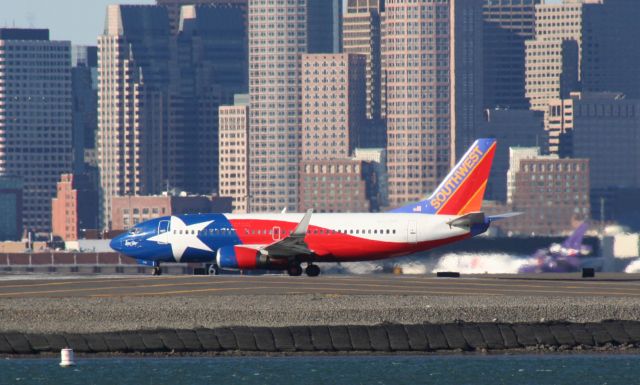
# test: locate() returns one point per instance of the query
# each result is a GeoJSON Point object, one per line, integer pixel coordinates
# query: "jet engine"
{"type": "Point", "coordinates": [242, 257]}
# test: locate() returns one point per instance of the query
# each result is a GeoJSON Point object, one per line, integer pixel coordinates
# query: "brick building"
{"type": "Point", "coordinates": [551, 192]}
{"type": "Point", "coordinates": [338, 185]}
{"type": "Point", "coordinates": [76, 206]}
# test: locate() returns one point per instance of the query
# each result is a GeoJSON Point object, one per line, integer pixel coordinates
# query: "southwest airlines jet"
{"type": "Point", "coordinates": [286, 241]}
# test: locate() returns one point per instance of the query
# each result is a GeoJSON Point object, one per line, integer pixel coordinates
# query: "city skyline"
{"type": "Point", "coordinates": [309, 76]}
{"type": "Point", "coordinates": [84, 29]}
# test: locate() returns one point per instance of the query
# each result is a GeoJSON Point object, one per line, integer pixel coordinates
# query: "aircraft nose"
{"type": "Point", "coordinates": [117, 242]}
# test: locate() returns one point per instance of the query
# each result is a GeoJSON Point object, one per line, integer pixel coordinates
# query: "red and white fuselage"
{"type": "Point", "coordinates": [352, 237]}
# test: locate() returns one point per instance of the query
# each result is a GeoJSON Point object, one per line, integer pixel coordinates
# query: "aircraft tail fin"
{"type": "Point", "coordinates": [575, 240]}
{"type": "Point", "coordinates": [462, 191]}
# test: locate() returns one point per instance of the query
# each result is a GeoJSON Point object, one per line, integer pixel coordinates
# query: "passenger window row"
{"type": "Point", "coordinates": [204, 233]}
{"type": "Point", "coordinates": [324, 232]}
{"type": "Point", "coordinates": [360, 231]}
{"type": "Point", "coordinates": [247, 231]}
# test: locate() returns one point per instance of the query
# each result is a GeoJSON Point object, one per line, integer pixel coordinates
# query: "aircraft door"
{"type": "Point", "coordinates": [412, 232]}
{"type": "Point", "coordinates": [276, 233]}
{"type": "Point", "coordinates": [163, 227]}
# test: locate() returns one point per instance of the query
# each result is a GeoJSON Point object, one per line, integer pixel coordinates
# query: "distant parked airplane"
{"type": "Point", "coordinates": [561, 258]}
{"type": "Point", "coordinates": [285, 241]}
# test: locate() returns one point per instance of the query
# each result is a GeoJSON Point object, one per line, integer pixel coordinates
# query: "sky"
{"type": "Point", "coordinates": [80, 21]}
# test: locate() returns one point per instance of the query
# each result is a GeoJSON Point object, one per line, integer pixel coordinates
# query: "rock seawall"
{"type": "Point", "coordinates": [383, 338]}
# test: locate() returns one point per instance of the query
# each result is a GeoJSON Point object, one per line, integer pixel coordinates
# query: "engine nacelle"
{"type": "Point", "coordinates": [245, 258]}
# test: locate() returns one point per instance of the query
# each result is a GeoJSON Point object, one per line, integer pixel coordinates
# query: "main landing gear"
{"type": "Point", "coordinates": [312, 270]}
{"type": "Point", "coordinates": [295, 270]}
{"type": "Point", "coordinates": [156, 270]}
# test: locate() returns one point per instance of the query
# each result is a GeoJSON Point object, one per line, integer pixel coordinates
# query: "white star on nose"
{"type": "Point", "coordinates": [182, 236]}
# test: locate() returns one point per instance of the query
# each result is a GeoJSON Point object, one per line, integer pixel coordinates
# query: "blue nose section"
{"type": "Point", "coordinates": [117, 243]}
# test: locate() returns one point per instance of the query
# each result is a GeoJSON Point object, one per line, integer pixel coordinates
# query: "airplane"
{"type": "Point", "coordinates": [285, 241]}
{"type": "Point", "coordinates": [560, 258]}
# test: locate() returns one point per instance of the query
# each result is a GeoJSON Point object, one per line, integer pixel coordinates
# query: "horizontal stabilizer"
{"type": "Point", "coordinates": [499, 217]}
{"type": "Point", "coordinates": [468, 220]}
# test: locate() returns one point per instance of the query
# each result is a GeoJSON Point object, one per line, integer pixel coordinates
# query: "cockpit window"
{"type": "Point", "coordinates": [135, 231]}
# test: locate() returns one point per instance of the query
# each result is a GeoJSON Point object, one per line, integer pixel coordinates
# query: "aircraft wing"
{"type": "Point", "coordinates": [292, 245]}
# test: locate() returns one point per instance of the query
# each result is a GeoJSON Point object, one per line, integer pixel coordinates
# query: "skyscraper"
{"type": "Point", "coordinates": [466, 74]}
{"type": "Point", "coordinates": [159, 97]}
{"type": "Point", "coordinates": [324, 26]}
{"type": "Point", "coordinates": [277, 38]}
{"type": "Point", "coordinates": [233, 149]}
{"type": "Point", "coordinates": [133, 71]}
{"type": "Point", "coordinates": [602, 127]}
{"type": "Point", "coordinates": [362, 35]}
{"type": "Point", "coordinates": [279, 32]}
{"type": "Point", "coordinates": [432, 60]}
{"type": "Point", "coordinates": [333, 117]}
{"type": "Point", "coordinates": [35, 117]}
{"type": "Point", "coordinates": [507, 25]}
{"type": "Point", "coordinates": [173, 8]}
{"type": "Point", "coordinates": [212, 40]}
{"type": "Point", "coordinates": [611, 55]}
{"type": "Point", "coordinates": [333, 104]}
{"type": "Point", "coordinates": [512, 128]}
{"type": "Point", "coordinates": [553, 58]}
{"type": "Point", "coordinates": [11, 207]}
{"type": "Point", "coordinates": [209, 66]}
{"type": "Point", "coordinates": [84, 78]}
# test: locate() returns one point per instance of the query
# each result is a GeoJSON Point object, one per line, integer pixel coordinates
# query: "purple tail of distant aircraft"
{"type": "Point", "coordinates": [561, 258]}
{"type": "Point", "coordinates": [574, 242]}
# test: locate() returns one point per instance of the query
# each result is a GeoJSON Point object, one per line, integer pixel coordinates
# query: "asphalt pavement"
{"type": "Point", "coordinates": [570, 285]}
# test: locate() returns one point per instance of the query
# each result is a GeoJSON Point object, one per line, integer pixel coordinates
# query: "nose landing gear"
{"type": "Point", "coordinates": [214, 269]}
{"type": "Point", "coordinates": [156, 271]}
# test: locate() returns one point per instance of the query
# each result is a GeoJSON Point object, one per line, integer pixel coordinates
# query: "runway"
{"type": "Point", "coordinates": [559, 285]}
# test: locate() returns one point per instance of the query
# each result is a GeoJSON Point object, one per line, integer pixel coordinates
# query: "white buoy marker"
{"type": "Point", "coordinates": [66, 358]}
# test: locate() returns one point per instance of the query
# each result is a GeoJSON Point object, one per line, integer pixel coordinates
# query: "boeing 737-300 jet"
{"type": "Point", "coordinates": [285, 241]}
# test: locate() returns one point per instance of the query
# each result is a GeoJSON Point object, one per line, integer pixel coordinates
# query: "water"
{"type": "Point", "coordinates": [335, 370]}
